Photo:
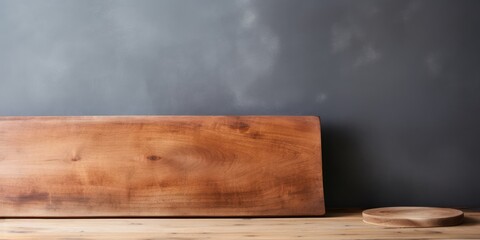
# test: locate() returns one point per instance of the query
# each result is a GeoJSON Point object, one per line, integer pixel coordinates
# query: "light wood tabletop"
{"type": "Point", "coordinates": [337, 224]}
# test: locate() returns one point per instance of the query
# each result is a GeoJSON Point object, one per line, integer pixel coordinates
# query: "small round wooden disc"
{"type": "Point", "coordinates": [413, 216]}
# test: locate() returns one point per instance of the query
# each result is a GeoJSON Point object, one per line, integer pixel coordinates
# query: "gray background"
{"type": "Point", "coordinates": [395, 82]}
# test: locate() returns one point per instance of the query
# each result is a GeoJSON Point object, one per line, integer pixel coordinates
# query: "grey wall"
{"type": "Point", "coordinates": [396, 82]}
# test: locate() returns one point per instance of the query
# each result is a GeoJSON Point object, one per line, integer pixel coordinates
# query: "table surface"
{"type": "Point", "coordinates": [337, 224]}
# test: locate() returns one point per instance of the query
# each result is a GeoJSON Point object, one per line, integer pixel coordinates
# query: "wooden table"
{"type": "Point", "coordinates": [337, 224]}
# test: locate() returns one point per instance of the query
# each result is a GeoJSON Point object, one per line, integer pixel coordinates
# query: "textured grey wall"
{"type": "Point", "coordinates": [396, 82]}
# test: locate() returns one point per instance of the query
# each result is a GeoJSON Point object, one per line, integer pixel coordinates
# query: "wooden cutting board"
{"type": "Point", "coordinates": [413, 216]}
{"type": "Point", "coordinates": [160, 166]}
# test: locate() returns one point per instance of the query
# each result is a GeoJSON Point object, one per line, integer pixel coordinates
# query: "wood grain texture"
{"type": "Point", "coordinates": [413, 216]}
{"type": "Point", "coordinates": [334, 226]}
{"type": "Point", "coordinates": [160, 166]}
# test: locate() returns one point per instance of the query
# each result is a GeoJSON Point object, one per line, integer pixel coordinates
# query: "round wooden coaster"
{"type": "Point", "coordinates": [413, 216]}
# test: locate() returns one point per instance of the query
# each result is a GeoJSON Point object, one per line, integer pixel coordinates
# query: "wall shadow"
{"type": "Point", "coordinates": [345, 168]}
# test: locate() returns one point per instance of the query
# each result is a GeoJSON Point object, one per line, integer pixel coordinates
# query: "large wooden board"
{"type": "Point", "coordinates": [160, 166]}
